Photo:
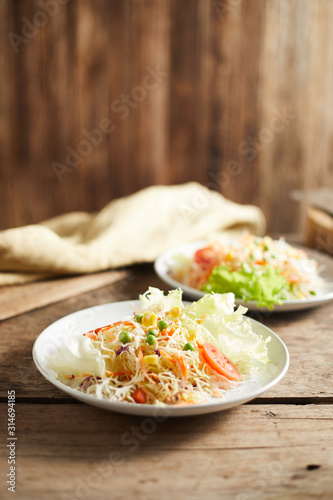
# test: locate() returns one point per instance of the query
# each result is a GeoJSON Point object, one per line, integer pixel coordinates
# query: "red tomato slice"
{"type": "Point", "coordinates": [139, 396]}
{"type": "Point", "coordinates": [206, 256]}
{"type": "Point", "coordinates": [219, 362]}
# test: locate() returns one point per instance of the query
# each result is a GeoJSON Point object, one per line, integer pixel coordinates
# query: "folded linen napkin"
{"type": "Point", "coordinates": [128, 230]}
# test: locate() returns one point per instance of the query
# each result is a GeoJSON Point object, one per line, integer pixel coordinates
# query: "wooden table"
{"type": "Point", "coordinates": [278, 446]}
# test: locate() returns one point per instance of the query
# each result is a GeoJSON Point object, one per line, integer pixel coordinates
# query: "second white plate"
{"type": "Point", "coordinates": [165, 263]}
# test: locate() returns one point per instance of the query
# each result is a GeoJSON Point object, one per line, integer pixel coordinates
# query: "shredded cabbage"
{"type": "Point", "coordinates": [174, 369]}
{"type": "Point", "coordinates": [264, 270]}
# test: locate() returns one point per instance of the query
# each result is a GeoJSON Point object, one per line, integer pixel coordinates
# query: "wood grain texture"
{"type": "Point", "coordinates": [245, 107]}
{"type": "Point", "coordinates": [15, 300]}
{"type": "Point", "coordinates": [250, 452]}
{"type": "Point", "coordinates": [277, 447]}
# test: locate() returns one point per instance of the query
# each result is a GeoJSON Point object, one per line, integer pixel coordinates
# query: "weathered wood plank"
{"type": "Point", "coordinates": [247, 453]}
{"type": "Point", "coordinates": [241, 474]}
{"type": "Point", "coordinates": [238, 28]}
{"type": "Point", "coordinates": [307, 335]}
{"type": "Point", "coordinates": [294, 160]}
{"type": "Point", "coordinates": [234, 67]}
{"type": "Point", "coordinates": [272, 426]}
{"type": "Point", "coordinates": [15, 300]}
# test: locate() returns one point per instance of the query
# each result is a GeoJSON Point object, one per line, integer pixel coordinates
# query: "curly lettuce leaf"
{"type": "Point", "coordinates": [265, 286]}
{"type": "Point", "coordinates": [76, 356]}
{"type": "Point", "coordinates": [231, 331]}
{"type": "Point", "coordinates": [154, 300]}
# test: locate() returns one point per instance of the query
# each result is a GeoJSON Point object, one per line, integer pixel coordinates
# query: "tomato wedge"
{"type": "Point", "coordinates": [219, 362]}
{"type": "Point", "coordinates": [205, 256]}
{"type": "Point", "coordinates": [139, 396]}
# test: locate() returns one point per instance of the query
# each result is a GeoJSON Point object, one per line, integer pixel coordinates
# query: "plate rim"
{"type": "Point", "coordinates": [287, 306]}
{"type": "Point", "coordinates": [149, 410]}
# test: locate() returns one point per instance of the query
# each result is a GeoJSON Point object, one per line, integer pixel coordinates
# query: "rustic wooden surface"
{"type": "Point", "coordinates": [233, 67]}
{"type": "Point", "coordinates": [278, 446]}
{"type": "Point", "coordinates": [18, 299]}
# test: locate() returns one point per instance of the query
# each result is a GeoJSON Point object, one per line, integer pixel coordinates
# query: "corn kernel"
{"type": "Point", "coordinates": [175, 312]}
{"type": "Point", "coordinates": [192, 334]}
{"type": "Point", "coordinates": [151, 359]}
{"type": "Point", "coordinates": [149, 319]}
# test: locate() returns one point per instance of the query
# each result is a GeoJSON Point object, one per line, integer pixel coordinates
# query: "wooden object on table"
{"type": "Point", "coordinates": [319, 232]}
{"type": "Point", "coordinates": [277, 446]}
{"type": "Point", "coordinates": [19, 299]}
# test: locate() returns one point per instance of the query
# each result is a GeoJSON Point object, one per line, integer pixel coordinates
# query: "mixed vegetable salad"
{"type": "Point", "coordinates": [166, 353]}
{"type": "Point", "coordinates": [261, 269]}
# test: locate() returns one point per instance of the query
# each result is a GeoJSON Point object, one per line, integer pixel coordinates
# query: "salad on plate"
{"type": "Point", "coordinates": [253, 268]}
{"type": "Point", "coordinates": [167, 353]}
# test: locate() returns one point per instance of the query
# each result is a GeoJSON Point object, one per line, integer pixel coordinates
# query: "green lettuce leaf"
{"type": "Point", "coordinates": [265, 286]}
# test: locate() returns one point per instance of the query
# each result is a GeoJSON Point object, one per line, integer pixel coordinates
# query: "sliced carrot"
{"type": "Point", "coordinates": [108, 327]}
{"type": "Point", "coordinates": [139, 396]}
{"type": "Point", "coordinates": [102, 328]}
{"type": "Point", "coordinates": [70, 377]}
{"type": "Point", "coordinates": [183, 365]}
{"type": "Point", "coordinates": [200, 320]}
{"type": "Point", "coordinates": [199, 344]}
{"type": "Point", "coordinates": [291, 278]}
{"type": "Point", "coordinates": [91, 335]}
{"type": "Point", "coordinates": [169, 358]}
{"type": "Point", "coordinates": [126, 323]}
{"type": "Point", "coordinates": [143, 367]}
{"type": "Point", "coordinates": [294, 280]}
{"type": "Point", "coordinates": [109, 336]}
{"type": "Point", "coordinates": [118, 374]}
{"type": "Point", "coordinates": [168, 332]}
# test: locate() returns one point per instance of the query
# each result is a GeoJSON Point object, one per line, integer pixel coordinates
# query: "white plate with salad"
{"type": "Point", "coordinates": [264, 274]}
{"type": "Point", "coordinates": [161, 357]}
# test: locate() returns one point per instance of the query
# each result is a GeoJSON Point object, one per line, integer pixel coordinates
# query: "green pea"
{"type": "Point", "coordinates": [125, 337]}
{"type": "Point", "coordinates": [138, 318]}
{"type": "Point", "coordinates": [152, 331]}
{"type": "Point", "coordinates": [151, 339]}
{"type": "Point", "coordinates": [162, 325]}
{"type": "Point", "coordinates": [188, 347]}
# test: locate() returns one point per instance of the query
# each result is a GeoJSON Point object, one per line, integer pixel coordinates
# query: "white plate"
{"type": "Point", "coordinates": [165, 262]}
{"type": "Point", "coordinates": [93, 317]}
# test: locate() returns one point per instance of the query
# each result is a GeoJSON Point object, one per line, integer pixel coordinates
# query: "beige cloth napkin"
{"type": "Point", "coordinates": [128, 230]}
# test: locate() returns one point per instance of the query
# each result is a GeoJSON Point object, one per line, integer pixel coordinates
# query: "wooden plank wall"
{"type": "Point", "coordinates": [243, 102]}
